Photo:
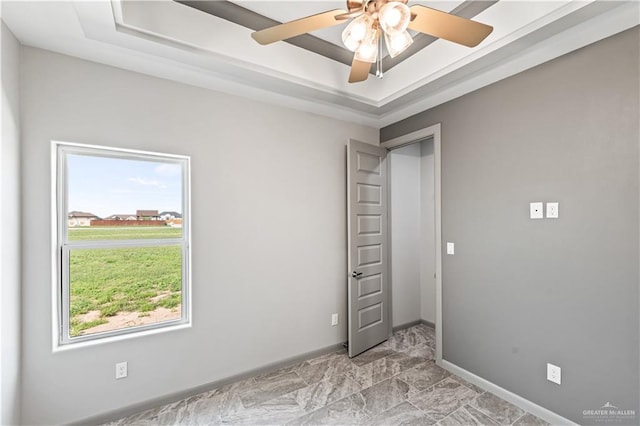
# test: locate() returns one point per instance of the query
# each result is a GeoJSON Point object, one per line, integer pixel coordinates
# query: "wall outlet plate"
{"type": "Point", "coordinates": [554, 373]}
{"type": "Point", "coordinates": [536, 210]}
{"type": "Point", "coordinates": [334, 319]}
{"type": "Point", "coordinates": [121, 370]}
{"type": "Point", "coordinates": [552, 210]}
{"type": "Point", "coordinates": [451, 248]}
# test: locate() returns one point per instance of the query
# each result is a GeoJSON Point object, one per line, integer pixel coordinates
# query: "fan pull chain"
{"type": "Point", "coordinates": [379, 72]}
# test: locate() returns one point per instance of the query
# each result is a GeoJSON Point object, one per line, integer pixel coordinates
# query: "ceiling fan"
{"type": "Point", "coordinates": [374, 19]}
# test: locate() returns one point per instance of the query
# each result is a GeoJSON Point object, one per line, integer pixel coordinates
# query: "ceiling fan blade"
{"type": "Point", "coordinates": [359, 71]}
{"type": "Point", "coordinates": [349, 15]}
{"type": "Point", "coordinates": [297, 27]}
{"type": "Point", "coordinates": [449, 27]}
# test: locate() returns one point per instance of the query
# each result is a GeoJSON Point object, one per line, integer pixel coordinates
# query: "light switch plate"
{"type": "Point", "coordinates": [451, 248]}
{"type": "Point", "coordinates": [536, 210]}
{"type": "Point", "coordinates": [552, 210]}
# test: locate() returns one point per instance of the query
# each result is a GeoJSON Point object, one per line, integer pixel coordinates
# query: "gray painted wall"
{"type": "Point", "coordinates": [520, 293]}
{"type": "Point", "coordinates": [405, 234]}
{"type": "Point", "coordinates": [268, 220]}
{"type": "Point", "coordinates": [10, 232]}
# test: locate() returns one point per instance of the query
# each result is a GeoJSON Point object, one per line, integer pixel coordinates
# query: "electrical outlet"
{"type": "Point", "coordinates": [552, 210]}
{"type": "Point", "coordinates": [121, 370]}
{"type": "Point", "coordinates": [334, 319]}
{"type": "Point", "coordinates": [451, 248]}
{"type": "Point", "coordinates": [554, 373]}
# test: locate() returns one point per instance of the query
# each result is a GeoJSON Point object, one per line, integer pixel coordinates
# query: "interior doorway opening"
{"type": "Point", "coordinates": [412, 233]}
{"type": "Point", "coordinates": [415, 232]}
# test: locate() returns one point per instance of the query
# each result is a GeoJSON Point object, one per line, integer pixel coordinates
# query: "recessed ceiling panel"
{"type": "Point", "coordinates": [285, 11]}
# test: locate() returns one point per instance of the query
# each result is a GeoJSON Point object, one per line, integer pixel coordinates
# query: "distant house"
{"type": "Point", "coordinates": [170, 215]}
{"type": "Point", "coordinates": [125, 216]}
{"type": "Point", "coordinates": [80, 218]}
{"type": "Point", "coordinates": [147, 215]}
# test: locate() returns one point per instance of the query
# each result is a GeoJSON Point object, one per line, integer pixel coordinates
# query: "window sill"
{"type": "Point", "coordinates": [58, 347]}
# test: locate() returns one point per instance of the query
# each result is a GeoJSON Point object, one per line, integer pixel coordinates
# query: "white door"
{"type": "Point", "coordinates": [369, 307]}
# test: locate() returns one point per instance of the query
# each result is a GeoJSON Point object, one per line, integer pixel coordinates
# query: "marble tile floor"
{"type": "Point", "coordinates": [395, 383]}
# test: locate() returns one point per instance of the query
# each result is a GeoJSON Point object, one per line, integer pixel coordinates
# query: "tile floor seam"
{"type": "Point", "coordinates": [481, 411]}
{"type": "Point", "coordinates": [344, 397]}
{"type": "Point", "coordinates": [303, 379]}
{"type": "Point", "coordinates": [489, 415]}
{"type": "Point", "coordinates": [516, 420]}
{"type": "Point", "coordinates": [448, 415]}
{"type": "Point", "coordinates": [425, 390]}
{"type": "Point", "coordinates": [417, 408]}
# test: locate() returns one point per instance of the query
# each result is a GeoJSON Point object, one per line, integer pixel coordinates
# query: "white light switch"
{"type": "Point", "coordinates": [552, 210]}
{"type": "Point", "coordinates": [450, 248]}
{"type": "Point", "coordinates": [536, 210]}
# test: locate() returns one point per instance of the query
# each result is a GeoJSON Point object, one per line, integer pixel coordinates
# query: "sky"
{"type": "Point", "coordinates": [105, 186]}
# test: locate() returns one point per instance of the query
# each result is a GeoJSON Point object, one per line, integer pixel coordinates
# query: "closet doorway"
{"type": "Point", "coordinates": [415, 230]}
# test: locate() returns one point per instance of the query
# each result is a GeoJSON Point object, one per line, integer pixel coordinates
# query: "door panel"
{"type": "Point", "coordinates": [369, 286]}
{"type": "Point", "coordinates": [369, 255]}
{"type": "Point", "coordinates": [369, 194]}
{"type": "Point", "coordinates": [369, 225]}
{"type": "Point", "coordinates": [369, 314]}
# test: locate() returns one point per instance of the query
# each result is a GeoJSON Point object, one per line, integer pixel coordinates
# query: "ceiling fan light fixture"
{"type": "Point", "coordinates": [372, 18]}
{"type": "Point", "coordinates": [394, 17]}
{"type": "Point", "coordinates": [356, 31]}
{"type": "Point", "coordinates": [368, 49]}
{"type": "Point", "coordinates": [398, 43]}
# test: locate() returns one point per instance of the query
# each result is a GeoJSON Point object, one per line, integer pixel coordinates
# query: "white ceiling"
{"type": "Point", "coordinates": [174, 41]}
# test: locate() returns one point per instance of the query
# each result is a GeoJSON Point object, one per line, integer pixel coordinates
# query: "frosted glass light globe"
{"type": "Point", "coordinates": [394, 17]}
{"type": "Point", "coordinates": [398, 43]}
{"type": "Point", "coordinates": [368, 50]}
{"type": "Point", "coordinates": [359, 30]}
{"type": "Point", "coordinates": [355, 32]}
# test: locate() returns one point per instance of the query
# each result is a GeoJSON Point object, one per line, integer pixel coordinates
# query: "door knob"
{"type": "Point", "coordinates": [355, 274]}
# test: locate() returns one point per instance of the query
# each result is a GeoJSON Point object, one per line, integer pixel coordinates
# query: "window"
{"type": "Point", "coordinates": [122, 245]}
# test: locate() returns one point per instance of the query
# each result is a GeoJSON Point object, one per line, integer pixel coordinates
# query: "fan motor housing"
{"type": "Point", "coordinates": [370, 6]}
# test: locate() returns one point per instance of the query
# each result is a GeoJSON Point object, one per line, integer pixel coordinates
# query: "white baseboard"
{"type": "Point", "coordinates": [520, 402]}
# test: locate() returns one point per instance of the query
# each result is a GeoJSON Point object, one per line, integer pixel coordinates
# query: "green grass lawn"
{"type": "Point", "coordinates": [137, 279]}
{"type": "Point", "coordinates": [123, 232]}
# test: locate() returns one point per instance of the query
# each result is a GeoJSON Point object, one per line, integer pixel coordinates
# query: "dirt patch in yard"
{"type": "Point", "coordinates": [130, 319]}
{"type": "Point", "coordinates": [160, 296]}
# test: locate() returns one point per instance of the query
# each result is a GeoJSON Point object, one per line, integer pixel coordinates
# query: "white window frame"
{"type": "Point", "coordinates": [62, 246]}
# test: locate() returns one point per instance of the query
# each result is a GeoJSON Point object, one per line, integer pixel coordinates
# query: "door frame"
{"type": "Point", "coordinates": [408, 139]}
